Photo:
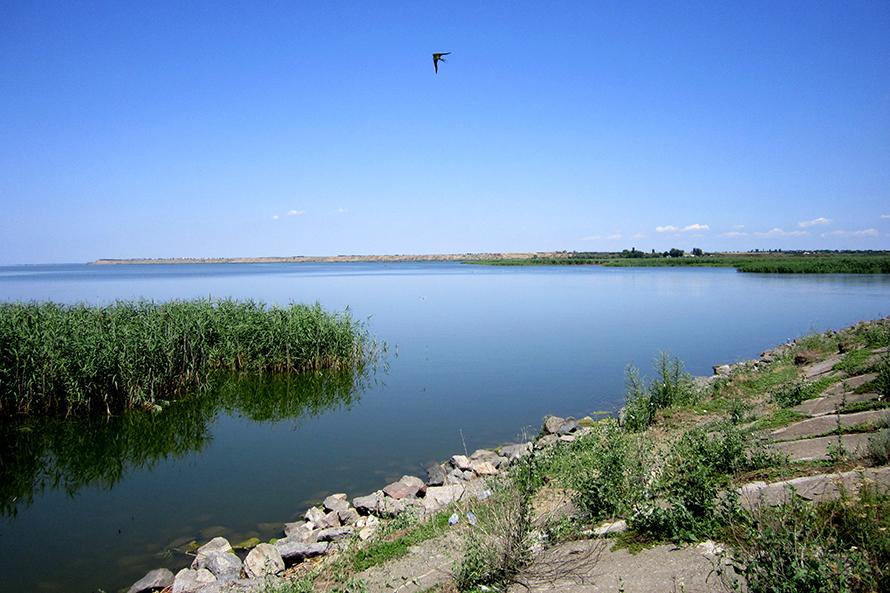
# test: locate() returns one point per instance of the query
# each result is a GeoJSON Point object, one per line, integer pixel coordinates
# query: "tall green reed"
{"type": "Point", "coordinates": [81, 358]}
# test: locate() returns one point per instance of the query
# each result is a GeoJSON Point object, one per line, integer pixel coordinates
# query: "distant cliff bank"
{"type": "Point", "coordinates": [296, 259]}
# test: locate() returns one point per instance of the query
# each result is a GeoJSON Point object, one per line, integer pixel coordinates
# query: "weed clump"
{"type": "Point", "coordinates": [797, 547]}
{"type": "Point", "coordinates": [500, 544]}
{"type": "Point", "coordinates": [671, 387]}
{"type": "Point", "coordinates": [683, 503]}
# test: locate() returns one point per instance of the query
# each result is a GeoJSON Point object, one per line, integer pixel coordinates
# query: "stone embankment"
{"type": "Point", "coordinates": [828, 430]}
{"type": "Point", "coordinates": [325, 529]}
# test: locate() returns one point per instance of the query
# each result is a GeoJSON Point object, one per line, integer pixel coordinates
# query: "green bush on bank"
{"type": "Point", "coordinates": [840, 546]}
{"type": "Point", "coordinates": [671, 387]}
{"type": "Point", "coordinates": [80, 358]}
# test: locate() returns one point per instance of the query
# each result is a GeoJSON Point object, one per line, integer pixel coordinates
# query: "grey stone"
{"type": "Point", "coordinates": [513, 452]}
{"type": "Point", "coordinates": [315, 516]}
{"type": "Point", "coordinates": [302, 530]}
{"type": "Point", "coordinates": [483, 468]}
{"type": "Point", "coordinates": [188, 580]}
{"type": "Point", "coordinates": [619, 526]}
{"type": "Point", "coordinates": [216, 545]}
{"type": "Point", "coordinates": [722, 370]}
{"type": "Point", "coordinates": [336, 502]}
{"type": "Point", "coordinates": [546, 441]}
{"type": "Point", "coordinates": [225, 566]}
{"type": "Point", "coordinates": [293, 550]}
{"type": "Point", "coordinates": [461, 462]}
{"type": "Point", "coordinates": [367, 504]}
{"type": "Point", "coordinates": [435, 475]}
{"type": "Point", "coordinates": [335, 533]}
{"type": "Point", "coordinates": [568, 427]}
{"type": "Point", "coordinates": [331, 519]}
{"type": "Point", "coordinates": [441, 496]}
{"type": "Point", "coordinates": [159, 578]}
{"type": "Point", "coordinates": [349, 516]}
{"type": "Point", "coordinates": [265, 559]}
{"type": "Point", "coordinates": [552, 424]}
{"type": "Point", "coordinates": [400, 490]}
{"type": "Point", "coordinates": [391, 507]}
{"type": "Point", "coordinates": [482, 455]}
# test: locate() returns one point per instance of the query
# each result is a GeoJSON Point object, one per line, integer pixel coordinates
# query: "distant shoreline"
{"type": "Point", "coordinates": [297, 259]}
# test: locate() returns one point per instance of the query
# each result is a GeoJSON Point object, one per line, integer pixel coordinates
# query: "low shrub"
{"type": "Point", "coordinates": [500, 544]}
{"type": "Point", "coordinates": [672, 387]}
{"type": "Point", "coordinates": [839, 546]}
{"type": "Point", "coordinates": [607, 469]}
{"type": "Point", "coordinates": [684, 504]}
{"type": "Point", "coordinates": [879, 447]}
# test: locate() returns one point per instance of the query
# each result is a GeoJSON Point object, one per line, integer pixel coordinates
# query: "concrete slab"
{"type": "Point", "coordinates": [814, 488]}
{"type": "Point", "coordinates": [830, 403]}
{"type": "Point", "coordinates": [818, 369]}
{"type": "Point", "coordinates": [592, 567]}
{"type": "Point", "coordinates": [821, 425]}
{"type": "Point", "coordinates": [855, 446]}
{"type": "Point", "coordinates": [849, 384]}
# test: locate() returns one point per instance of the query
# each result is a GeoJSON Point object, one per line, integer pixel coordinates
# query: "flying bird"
{"type": "Point", "coordinates": [439, 57]}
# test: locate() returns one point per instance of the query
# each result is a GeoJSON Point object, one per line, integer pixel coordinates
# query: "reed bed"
{"type": "Point", "coordinates": [131, 355]}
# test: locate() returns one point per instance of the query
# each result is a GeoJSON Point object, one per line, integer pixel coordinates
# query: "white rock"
{"type": "Point", "coordinates": [440, 496]}
{"type": "Point", "coordinates": [265, 559]}
{"type": "Point", "coordinates": [619, 526]}
{"type": "Point", "coordinates": [191, 581]}
{"type": "Point", "coordinates": [215, 546]}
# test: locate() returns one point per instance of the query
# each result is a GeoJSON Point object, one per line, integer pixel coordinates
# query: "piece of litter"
{"type": "Point", "coordinates": [453, 519]}
{"type": "Point", "coordinates": [471, 519]}
{"type": "Point", "coordinates": [484, 494]}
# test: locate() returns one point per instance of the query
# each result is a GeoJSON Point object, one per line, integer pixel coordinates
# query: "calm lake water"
{"type": "Point", "coordinates": [476, 353]}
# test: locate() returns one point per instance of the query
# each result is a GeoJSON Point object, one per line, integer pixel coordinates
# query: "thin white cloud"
{"type": "Point", "coordinates": [341, 210]}
{"type": "Point", "coordinates": [777, 232]}
{"type": "Point", "coordinates": [275, 217]}
{"type": "Point", "coordinates": [612, 237]}
{"type": "Point", "coordinates": [815, 222]}
{"type": "Point", "coordinates": [639, 236]}
{"type": "Point", "coordinates": [734, 234]}
{"type": "Point", "coordinates": [669, 228]}
{"type": "Point", "coordinates": [859, 233]}
{"type": "Point", "coordinates": [296, 212]}
{"type": "Point", "coordinates": [885, 216]}
{"type": "Point", "coordinates": [738, 226]}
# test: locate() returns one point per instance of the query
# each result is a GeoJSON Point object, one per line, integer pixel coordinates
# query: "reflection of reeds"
{"type": "Point", "coordinates": [127, 355]}
{"type": "Point", "coordinates": [38, 453]}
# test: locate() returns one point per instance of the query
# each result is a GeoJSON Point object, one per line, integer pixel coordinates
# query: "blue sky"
{"type": "Point", "coordinates": [226, 129]}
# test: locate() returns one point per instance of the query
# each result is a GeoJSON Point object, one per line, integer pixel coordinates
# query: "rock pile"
{"type": "Point", "coordinates": [326, 528]}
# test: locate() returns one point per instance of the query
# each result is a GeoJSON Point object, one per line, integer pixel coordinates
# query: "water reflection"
{"type": "Point", "coordinates": [38, 454]}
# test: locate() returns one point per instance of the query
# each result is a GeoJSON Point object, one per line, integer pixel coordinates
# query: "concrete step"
{"type": "Point", "coordinates": [830, 403]}
{"type": "Point", "coordinates": [815, 488]}
{"type": "Point", "coordinates": [855, 446]}
{"type": "Point", "coordinates": [822, 425]}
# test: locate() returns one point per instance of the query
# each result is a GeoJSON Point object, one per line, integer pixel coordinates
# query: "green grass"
{"type": "Point", "coordinates": [389, 547]}
{"type": "Point", "coordinates": [854, 363]}
{"type": "Point", "coordinates": [778, 419]}
{"type": "Point", "coordinates": [864, 406]}
{"type": "Point", "coordinates": [763, 263]}
{"type": "Point", "coordinates": [766, 381]}
{"type": "Point", "coordinates": [839, 546]}
{"type": "Point", "coordinates": [82, 359]}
